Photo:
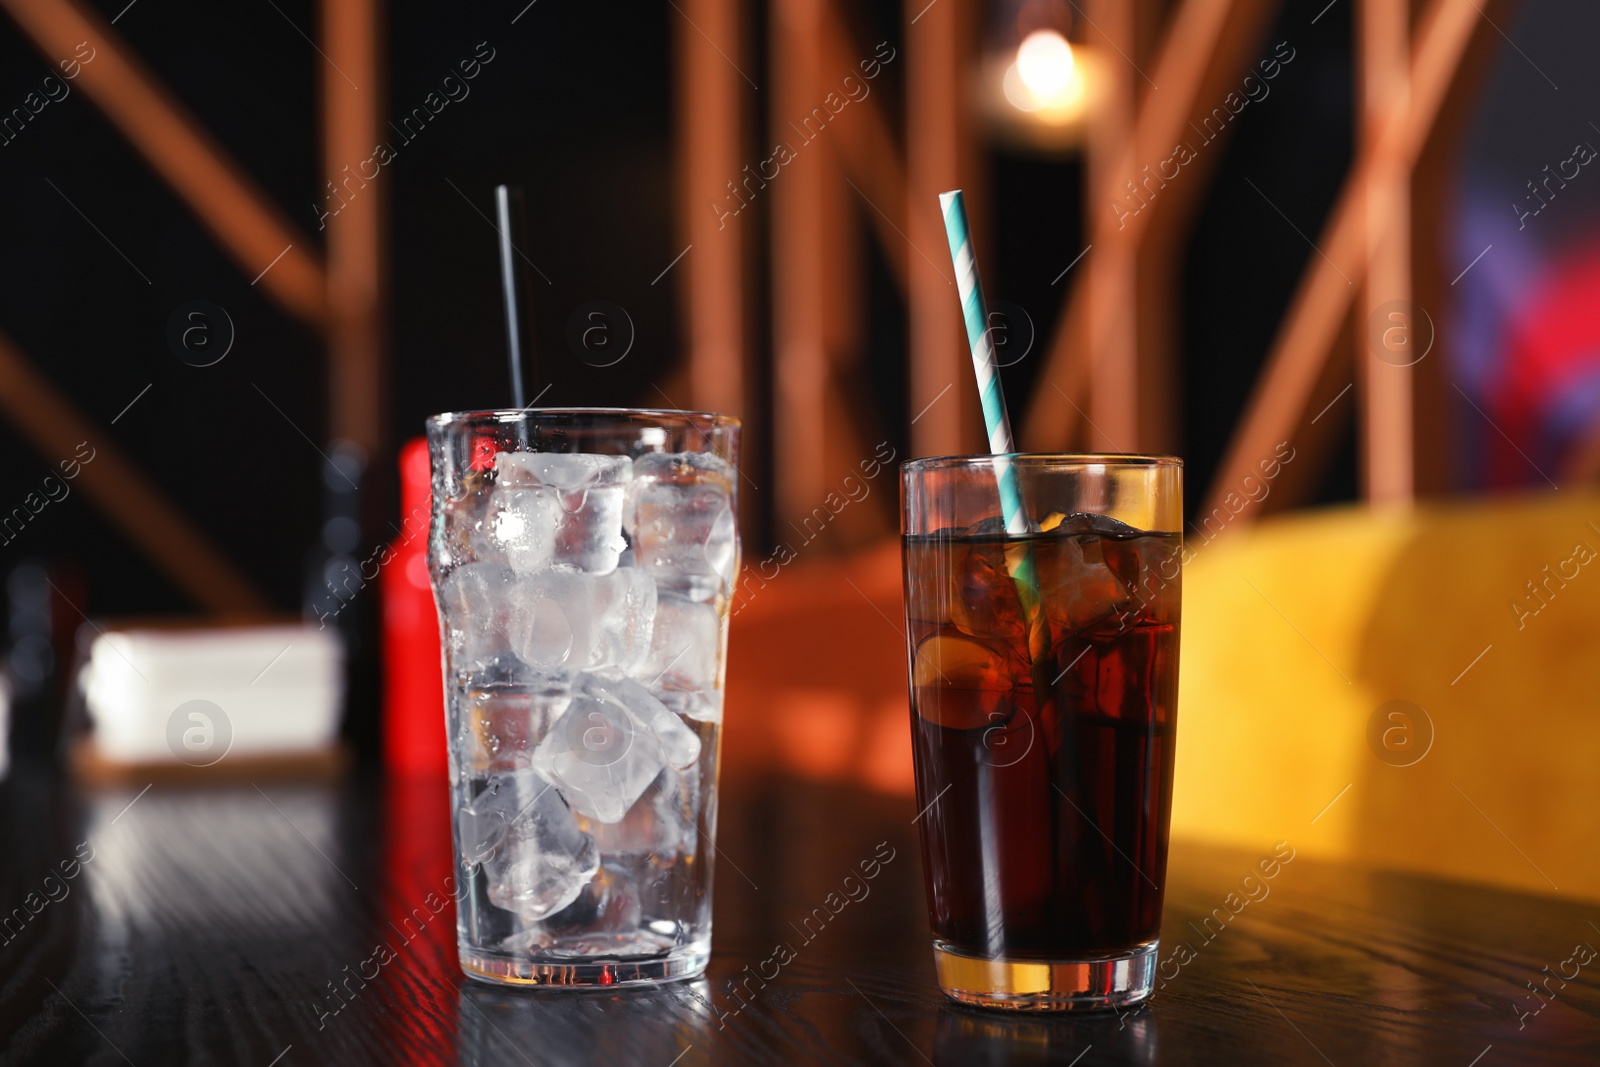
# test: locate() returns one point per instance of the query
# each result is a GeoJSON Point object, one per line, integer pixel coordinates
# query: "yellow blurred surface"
{"type": "Point", "coordinates": [1298, 631]}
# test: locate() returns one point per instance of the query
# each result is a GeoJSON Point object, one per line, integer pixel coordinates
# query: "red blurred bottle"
{"type": "Point", "coordinates": [413, 690]}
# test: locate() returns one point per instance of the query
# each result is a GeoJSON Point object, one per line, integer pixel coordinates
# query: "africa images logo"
{"type": "Point", "coordinates": [199, 733]}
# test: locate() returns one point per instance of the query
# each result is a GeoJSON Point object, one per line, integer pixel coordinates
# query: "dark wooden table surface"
{"type": "Point", "coordinates": [294, 924]}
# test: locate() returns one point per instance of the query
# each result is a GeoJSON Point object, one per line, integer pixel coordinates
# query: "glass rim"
{"type": "Point", "coordinates": [700, 420]}
{"type": "Point", "coordinates": [1123, 460]}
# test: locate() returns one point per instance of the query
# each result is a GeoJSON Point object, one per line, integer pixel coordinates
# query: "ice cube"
{"type": "Point", "coordinates": [611, 743]}
{"type": "Point", "coordinates": [582, 622]}
{"type": "Point", "coordinates": [604, 920]}
{"type": "Point", "coordinates": [568, 472]}
{"type": "Point", "coordinates": [1158, 562]}
{"type": "Point", "coordinates": [679, 745]}
{"type": "Point", "coordinates": [1088, 522]}
{"type": "Point", "coordinates": [660, 826]}
{"type": "Point", "coordinates": [628, 623]}
{"type": "Point", "coordinates": [683, 668]}
{"type": "Point", "coordinates": [685, 646]}
{"type": "Point", "coordinates": [523, 524]}
{"type": "Point", "coordinates": [584, 495]}
{"type": "Point", "coordinates": [600, 758]}
{"type": "Point", "coordinates": [510, 708]}
{"type": "Point", "coordinates": [681, 521]}
{"type": "Point", "coordinates": [535, 859]}
{"type": "Point", "coordinates": [1147, 566]}
{"type": "Point", "coordinates": [963, 684]}
{"type": "Point", "coordinates": [481, 823]}
{"type": "Point", "coordinates": [475, 600]}
{"type": "Point", "coordinates": [982, 595]}
{"type": "Point", "coordinates": [591, 536]}
{"type": "Point", "coordinates": [461, 533]}
{"type": "Point", "coordinates": [702, 705]}
{"type": "Point", "coordinates": [1088, 573]}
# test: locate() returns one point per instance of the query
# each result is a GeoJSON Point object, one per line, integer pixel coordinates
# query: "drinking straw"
{"type": "Point", "coordinates": [976, 314]}
{"type": "Point", "coordinates": [1019, 558]}
{"type": "Point", "coordinates": [508, 209]}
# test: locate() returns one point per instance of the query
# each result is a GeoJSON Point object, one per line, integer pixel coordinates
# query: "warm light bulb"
{"type": "Point", "coordinates": [1020, 95]}
{"type": "Point", "coordinates": [1044, 63]}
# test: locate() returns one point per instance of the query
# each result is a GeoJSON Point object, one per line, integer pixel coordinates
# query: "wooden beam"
{"type": "Point", "coordinates": [940, 361]}
{"type": "Point", "coordinates": [866, 145]}
{"type": "Point", "coordinates": [853, 424]}
{"type": "Point", "coordinates": [1316, 443]}
{"type": "Point", "coordinates": [55, 427]}
{"type": "Point", "coordinates": [1203, 52]}
{"type": "Point", "coordinates": [843, 166]}
{"type": "Point", "coordinates": [798, 262]}
{"type": "Point", "coordinates": [1326, 292]}
{"type": "Point", "coordinates": [239, 215]}
{"type": "Point", "coordinates": [352, 95]}
{"type": "Point", "coordinates": [711, 124]}
{"type": "Point", "coordinates": [1112, 272]}
{"type": "Point", "coordinates": [842, 327]}
{"type": "Point", "coordinates": [1385, 376]}
{"type": "Point", "coordinates": [715, 286]}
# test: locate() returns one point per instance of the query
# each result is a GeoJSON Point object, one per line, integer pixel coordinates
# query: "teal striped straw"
{"type": "Point", "coordinates": [976, 314]}
{"type": "Point", "coordinates": [1019, 561]}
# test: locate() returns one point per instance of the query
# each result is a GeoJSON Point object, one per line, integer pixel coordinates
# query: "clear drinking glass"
{"type": "Point", "coordinates": [582, 561]}
{"type": "Point", "coordinates": [1044, 684]}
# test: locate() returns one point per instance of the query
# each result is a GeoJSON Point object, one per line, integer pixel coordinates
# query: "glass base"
{"type": "Point", "coordinates": [1047, 985]}
{"type": "Point", "coordinates": [597, 972]}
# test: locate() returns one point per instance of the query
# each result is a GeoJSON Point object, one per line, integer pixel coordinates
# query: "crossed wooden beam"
{"type": "Point", "coordinates": [1283, 392]}
{"type": "Point", "coordinates": [1102, 368]}
{"type": "Point", "coordinates": [1093, 362]}
{"type": "Point", "coordinates": [842, 169]}
{"type": "Point", "coordinates": [339, 295]}
{"type": "Point", "coordinates": [1206, 50]}
{"type": "Point", "coordinates": [1206, 47]}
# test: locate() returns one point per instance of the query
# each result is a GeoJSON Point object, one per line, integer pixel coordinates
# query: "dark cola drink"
{"type": "Point", "coordinates": [1043, 731]}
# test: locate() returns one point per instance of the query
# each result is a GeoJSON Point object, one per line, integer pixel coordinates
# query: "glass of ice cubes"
{"type": "Point", "coordinates": [582, 560]}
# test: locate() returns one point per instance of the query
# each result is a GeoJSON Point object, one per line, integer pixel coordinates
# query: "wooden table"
{"type": "Point", "coordinates": [240, 925]}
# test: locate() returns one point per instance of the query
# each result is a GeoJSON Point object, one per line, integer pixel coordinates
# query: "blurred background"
{"type": "Point", "coordinates": [1341, 258]}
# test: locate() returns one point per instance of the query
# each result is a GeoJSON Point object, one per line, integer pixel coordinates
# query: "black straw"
{"type": "Point", "coordinates": [508, 210]}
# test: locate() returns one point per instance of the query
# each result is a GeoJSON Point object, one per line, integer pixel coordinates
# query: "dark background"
{"type": "Point", "coordinates": [576, 106]}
